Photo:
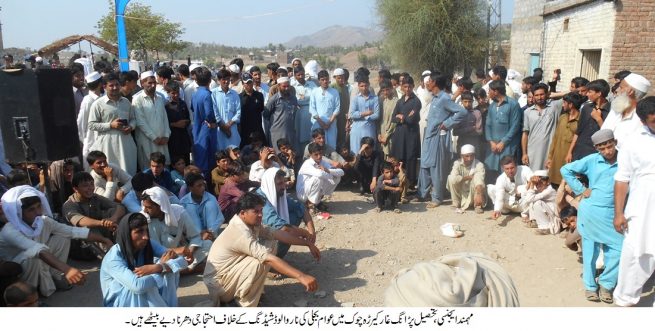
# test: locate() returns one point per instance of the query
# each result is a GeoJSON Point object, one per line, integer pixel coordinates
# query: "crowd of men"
{"type": "Point", "coordinates": [271, 152]}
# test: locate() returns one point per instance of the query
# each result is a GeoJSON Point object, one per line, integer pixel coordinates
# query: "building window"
{"type": "Point", "coordinates": [590, 64]}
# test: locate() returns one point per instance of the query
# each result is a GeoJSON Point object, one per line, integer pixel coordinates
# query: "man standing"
{"type": "Point", "coordinates": [567, 125]}
{"type": "Point", "coordinates": [407, 146]}
{"type": "Point", "coordinates": [112, 119]}
{"type": "Point", "coordinates": [341, 85]}
{"type": "Point", "coordinates": [539, 123]}
{"type": "Point", "coordinates": [252, 106]}
{"type": "Point", "coordinates": [204, 123]}
{"type": "Point", "coordinates": [325, 107]}
{"type": "Point", "coordinates": [636, 171]}
{"type": "Point", "coordinates": [304, 90]}
{"type": "Point", "coordinates": [259, 86]}
{"type": "Point", "coordinates": [96, 90]}
{"type": "Point", "coordinates": [623, 120]}
{"type": "Point", "coordinates": [466, 182]}
{"type": "Point", "coordinates": [79, 91]}
{"type": "Point", "coordinates": [592, 116]}
{"type": "Point", "coordinates": [436, 149]}
{"type": "Point", "coordinates": [188, 87]}
{"type": "Point", "coordinates": [227, 110]}
{"type": "Point", "coordinates": [151, 120]}
{"type": "Point", "coordinates": [280, 112]}
{"type": "Point", "coordinates": [596, 214]}
{"type": "Point", "coordinates": [364, 114]}
{"type": "Point", "coordinates": [387, 105]}
{"type": "Point", "coordinates": [502, 129]}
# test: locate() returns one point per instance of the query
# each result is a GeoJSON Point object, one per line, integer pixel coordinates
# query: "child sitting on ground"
{"type": "Point", "coordinates": [387, 189]}
{"type": "Point", "coordinates": [400, 173]}
{"type": "Point", "coordinates": [287, 157]}
{"type": "Point", "coordinates": [177, 172]}
{"type": "Point", "coordinates": [569, 217]}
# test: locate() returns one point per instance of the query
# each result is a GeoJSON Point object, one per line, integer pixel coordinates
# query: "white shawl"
{"type": "Point", "coordinates": [268, 187]}
{"type": "Point", "coordinates": [172, 212]}
{"type": "Point", "coordinates": [11, 206]}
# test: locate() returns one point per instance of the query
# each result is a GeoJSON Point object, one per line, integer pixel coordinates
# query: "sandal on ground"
{"type": "Point", "coordinates": [605, 295]}
{"type": "Point", "coordinates": [479, 210]}
{"type": "Point", "coordinates": [397, 211]}
{"type": "Point", "coordinates": [591, 296]}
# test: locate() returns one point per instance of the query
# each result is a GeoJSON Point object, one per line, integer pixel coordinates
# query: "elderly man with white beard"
{"type": "Point", "coordinates": [623, 119]}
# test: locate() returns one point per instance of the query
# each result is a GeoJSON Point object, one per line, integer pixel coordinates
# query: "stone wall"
{"type": "Point", "coordinates": [634, 40]}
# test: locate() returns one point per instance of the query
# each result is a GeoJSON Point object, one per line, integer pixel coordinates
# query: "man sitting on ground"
{"type": "Point", "coordinates": [141, 182]}
{"type": "Point", "coordinates": [219, 174]}
{"type": "Point", "coordinates": [38, 242]}
{"type": "Point", "coordinates": [242, 255]}
{"type": "Point", "coordinates": [202, 207]}
{"type": "Point", "coordinates": [90, 210]}
{"type": "Point", "coordinates": [509, 188]}
{"type": "Point", "coordinates": [172, 227]}
{"type": "Point", "coordinates": [316, 178]}
{"type": "Point", "coordinates": [466, 182]}
{"type": "Point", "coordinates": [283, 213]}
{"type": "Point", "coordinates": [330, 154]}
{"type": "Point", "coordinates": [158, 170]}
{"type": "Point", "coordinates": [110, 180]}
{"type": "Point", "coordinates": [541, 203]}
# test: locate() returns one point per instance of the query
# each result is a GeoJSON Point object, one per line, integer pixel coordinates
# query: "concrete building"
{"type": "Point", "coordinates": [589, 38]}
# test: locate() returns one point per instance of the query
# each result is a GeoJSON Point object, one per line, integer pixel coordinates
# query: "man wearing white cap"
{"type": "Point", "coordinates": [96, 89]}
{"type": "Point", "coordinates": [341, 85]}
{"type": "Point", "coordinates": [227, 110]}
{"type": "Point", "coordinates": [623, 119]}
{"type": "Point", "coordinates": [304, 90]}
{"type": "Point", "coordinates": [636, 172]}
{"type": "Point", "coordinates": [596, 214]}
{"type": "Point", "coordinates": [152, 130]}
{"type": "Point", "coordinates": [235, 77]}
{"type": "Point", "coordinates": [540, 202]}
{"type": "Point", "coordinates": [466, 182]}
{"type": "Point", "coordinates": [279, 113]}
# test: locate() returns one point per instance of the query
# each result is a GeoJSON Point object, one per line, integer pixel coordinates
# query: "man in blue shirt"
{"type": "Point", "coordinates": [158, 170]}
{"type": "Point", "coordinates": [284, 214]}
{"type": "Point", "coordinates": [596, 215]}
{"type": "Point", "coordinates": [202, 207]}
{"type": "Point", "coordinates": [204, 123]}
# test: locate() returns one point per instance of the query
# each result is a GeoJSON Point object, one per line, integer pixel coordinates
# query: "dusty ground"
{"type": "Point", "coordinates": [362, 250]}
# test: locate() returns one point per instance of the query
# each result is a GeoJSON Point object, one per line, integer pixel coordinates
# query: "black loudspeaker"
{"type": "Point", "coordinates": [37, 115]}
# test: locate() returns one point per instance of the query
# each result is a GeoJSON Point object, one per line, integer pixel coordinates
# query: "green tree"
{"type": "Point", "coordinates": [146, 31]}
{"type": "Point", "coordinates": [434, 34]}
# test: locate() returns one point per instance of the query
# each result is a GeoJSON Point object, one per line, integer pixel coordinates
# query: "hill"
{"type": "Point", "coordinates": [337, 35]}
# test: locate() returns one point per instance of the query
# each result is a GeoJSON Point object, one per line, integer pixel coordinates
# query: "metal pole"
{"type": "Point", "coordinates": [123, 61]}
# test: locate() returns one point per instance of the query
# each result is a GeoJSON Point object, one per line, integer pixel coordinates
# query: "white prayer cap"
{"type": "Point", "coordinates": [193, 67]}
{"type": "Point", "coordinates": [283, 80]}
{"type": "Point", "coordinates": [338, 72]}
{"type": "Point", "coordinates": [294, 59]}
{"type": "Point", "coordinates": [147, 74]}
{"type": "Point", "coordinates": [38, 59]}
{"type": "Point", "coordinates": [312, 68]}
{"type": "Point", "coordinates": [247, 69]}
{"type": "Point", "coordinates": [467, 149]}
{"type": "Point", "coordinates": [638, 82]}
{"type": "Point", "coordinates": [540, 173]}
{"type": "Point", "coordinates": [513, 74]}
{"type": "Point", "coordinates": [234, 68]}
{"type": "Point", "coordinates": [92, 77]}
{"type": "Point", "coordinates": [426, 73]}
{"type": "Point", "coordinates": [455, 280]}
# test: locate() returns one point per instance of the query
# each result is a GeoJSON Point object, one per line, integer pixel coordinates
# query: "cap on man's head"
{"type": "Point", "coordinates": [602, 136]}
{"type": "Point", "coordinates": [540, 173]}
{"type": "Point", "coordinates": [147, 74]}
{"type": "Point", "coordinates": [246, 77]}
{"type": "Point", "coordinates": [467, 149]}
{"type": "Point", "coordinates": [338, 72]}
{"type": "Point", "coordinates": [638, 82]}
{"type": "Point", "coordinates": [92, 77]}
{"type": "Point", "coordinates": [234, 68]}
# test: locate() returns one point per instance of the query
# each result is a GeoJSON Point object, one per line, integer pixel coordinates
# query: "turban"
{"type": "Point", "coordinates": [455, 280]}
{"type": "Point", "coordinates": [12, 207]}
{"type": "Point", "coordinates": [172, 212]}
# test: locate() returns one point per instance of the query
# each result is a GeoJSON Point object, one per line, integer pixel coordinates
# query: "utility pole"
{"type": "Point", "coordinates": [2, 45]}
{"type": "Point", "coordinates": [494, 33]}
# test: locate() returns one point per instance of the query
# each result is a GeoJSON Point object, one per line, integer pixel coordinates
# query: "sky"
{"type": "Point", "coordinates": [36, 23]}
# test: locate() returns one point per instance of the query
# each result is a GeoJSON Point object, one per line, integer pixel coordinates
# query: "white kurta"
{"type": "Point", "coordinates": [636, 165]}
{"type": "Point", "coordinates": [623, 127]}
{"type": "Point", "coordinates": [542, 207]}
{"type": "Point", "coordinates": [426, 99]}
{"type": "Point", "coordinates": [314, 183]}
{"type": "Point", "coordinates": [118, 146]}
{"type": "Point", "coordinates": [503, 192]}
{"type": "Point", "coordinates": [83, 118]}
{"type": "Point", "coordinates": [151, 123]}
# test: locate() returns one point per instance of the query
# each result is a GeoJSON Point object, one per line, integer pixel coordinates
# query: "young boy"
{"type": "Point", "coordinates": [368, 165]}
{"type": "Point", "coordinates": [220, 172]}
{"type": "Point", "coordinates": [179, 119]}
{"type": "Point", "coordinates": [400, 173]}
{"type": "Point", "coordinates": [287, 157]}
{"type": "Point", "coordinates": [316, 178]}
{"type": "Point", "coordinates": [387, 189]}
{"type": "Point", "coordinates": [469, 132]}
{"type": "Point", "coordinates": [348, 165]}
